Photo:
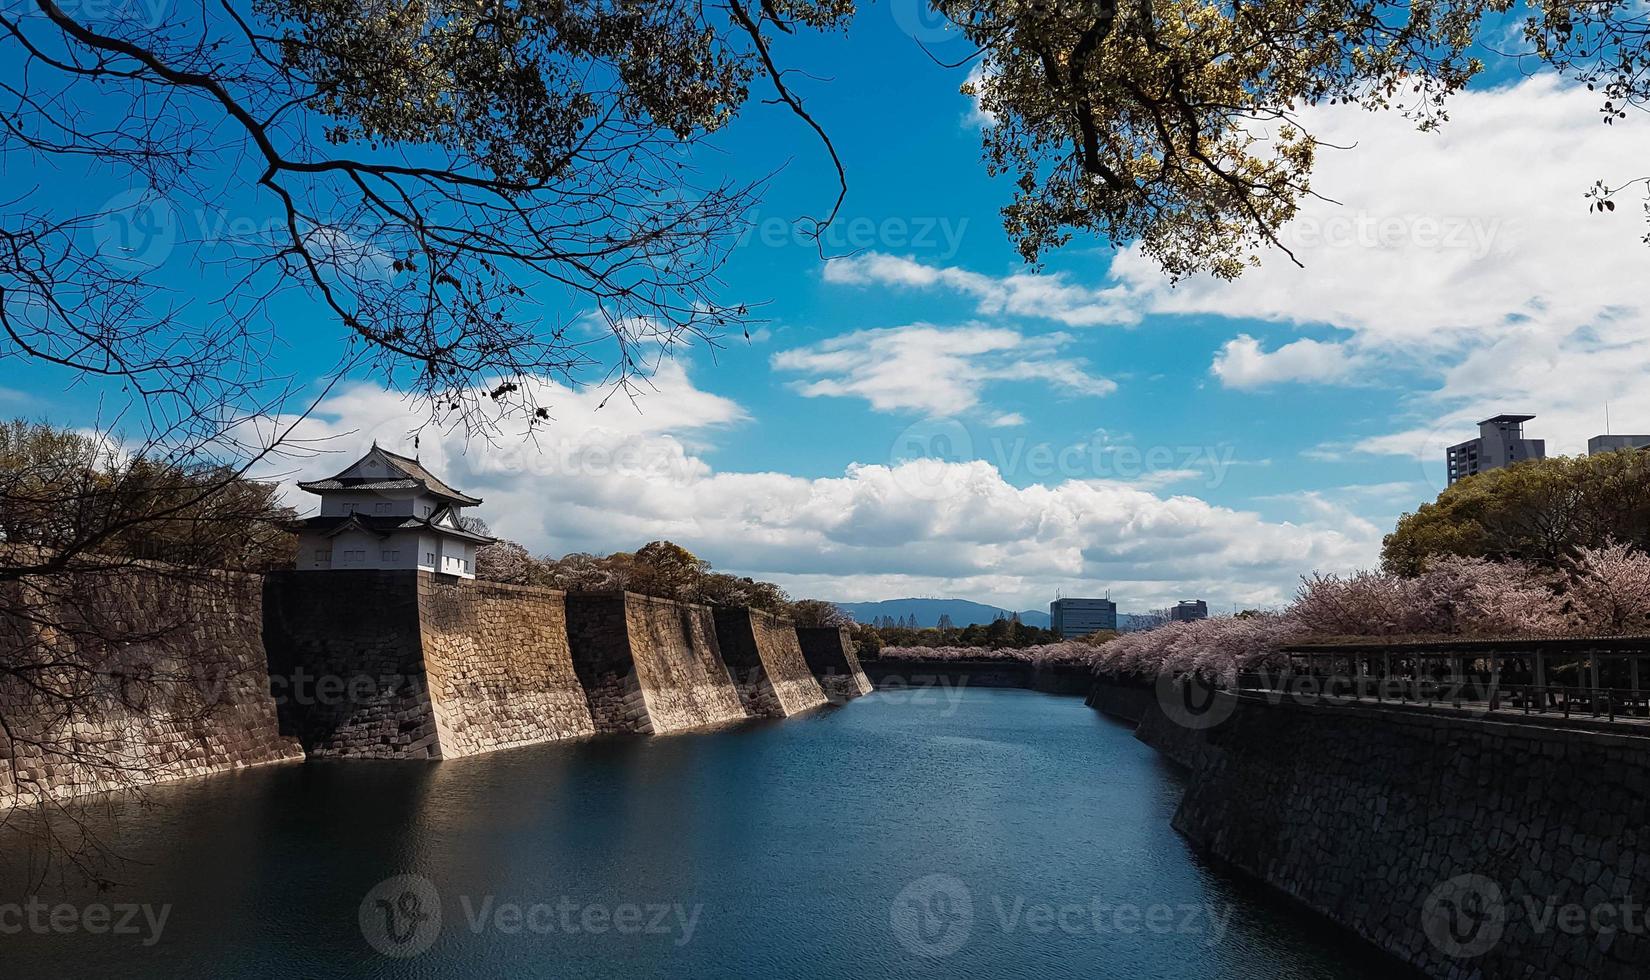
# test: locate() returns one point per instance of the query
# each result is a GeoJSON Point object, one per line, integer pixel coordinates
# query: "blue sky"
{"type": "Point", "coordinates": [1090, 428]}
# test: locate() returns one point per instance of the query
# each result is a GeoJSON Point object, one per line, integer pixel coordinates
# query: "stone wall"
{"type": "Point", "coordinates": [238, 670]}
{"type": "Point", "coordinates": [498, 665]}
{"type": "Point", "coordinates": [829, 652]}
{"type": "Point", "coordinates": [163, 676]}
{"type": "Point", "coordinates": [402, 664]}
{"type": "Point", "coordinates": [1124, 698]}
{"type": "Point", "coordinates": [598, 634]}
{"type": "Point", "coordinates": [649, 664]}
{"type": "Point", "coordinates": [1468, 848]}
{"type": "Point", "coordinates": [765, 659]}
{"type": "Point", "coordinates": [346, 658]}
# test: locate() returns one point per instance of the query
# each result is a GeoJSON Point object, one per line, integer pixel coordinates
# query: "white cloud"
{"type": "Point", "coordinates": [611, 479]}
{"type": "Point", "coordinates": [1464, 259]}
{"type": "Point", "coordinates": [935, 370]}
{"type": "Point", "coordinates": [1046, 296]}
{"type": "Point", "coordinates": [977, 117]}
{"type": "Point", "coordinates": [1242, 363]}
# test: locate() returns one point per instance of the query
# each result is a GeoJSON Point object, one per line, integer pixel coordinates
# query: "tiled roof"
{"type": "Point", "coordinates": [415, 477]}
{"type": "Point", "coordinates": [416, 470]}
{"type": "Point", "coordinates": [384, 526]}
{"type": "Point", "coordinates": [333, 483]}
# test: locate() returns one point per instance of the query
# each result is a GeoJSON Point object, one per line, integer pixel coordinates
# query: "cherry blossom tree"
{"type": "Point", "coordinates": [1609, 590]}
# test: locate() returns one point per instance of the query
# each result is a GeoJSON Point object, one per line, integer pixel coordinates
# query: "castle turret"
{"type": "Point", "coordinates": [388, 511]}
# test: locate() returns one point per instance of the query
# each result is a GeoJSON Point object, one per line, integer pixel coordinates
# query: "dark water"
{"type": "Point", "coordinates": [797, 849]}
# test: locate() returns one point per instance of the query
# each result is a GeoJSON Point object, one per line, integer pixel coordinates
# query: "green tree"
{"type": "Point", "coordinates": [69, 496]}
{"type": "Point", "coordinates": [1538, 510]}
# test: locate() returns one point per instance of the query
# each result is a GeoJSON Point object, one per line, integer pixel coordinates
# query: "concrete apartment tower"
{"type": "Point", "coordinates": [388, 511]}
{"type": "Point", "coordinates": [1500, 443]}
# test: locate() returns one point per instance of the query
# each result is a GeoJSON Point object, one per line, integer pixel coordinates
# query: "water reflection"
{"type": "Point", "coordinates": [845, 843]}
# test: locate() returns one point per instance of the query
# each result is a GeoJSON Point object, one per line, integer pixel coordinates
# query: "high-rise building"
{"type": "Point", "coordinates": [1500, 443]}
{"type": "Point", "coordinates": [1080, 617]}
{"type": "Point", "coordinates": [1605, 444]}
{"type": "Point", "coordinates": [1187, 610]}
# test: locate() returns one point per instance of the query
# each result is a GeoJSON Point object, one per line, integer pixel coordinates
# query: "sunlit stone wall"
{"type": "Point", "coordinates": [765, 658]}
{"type": "Point", "coordinates": [130, 676]}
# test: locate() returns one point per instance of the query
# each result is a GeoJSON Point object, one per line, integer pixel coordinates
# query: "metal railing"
{"type": "Point", "coordinates": [1482, 694]}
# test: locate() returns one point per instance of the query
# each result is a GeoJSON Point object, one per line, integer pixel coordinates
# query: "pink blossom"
{"type": "Point", "coordinates": [1609, 590]}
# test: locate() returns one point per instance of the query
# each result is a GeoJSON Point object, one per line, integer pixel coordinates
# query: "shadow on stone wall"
{"type": "Point", "coordinates": [829, 653]}
{"type": "Point", "coordinates": [765, 658]}
{"type": "Point", "coordinates": [1463, 846]}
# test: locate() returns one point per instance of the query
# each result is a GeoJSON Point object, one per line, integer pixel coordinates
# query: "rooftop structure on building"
{"type": "Point", "coordinates": [386, 511]}
{"type": "Point", "coordinates": [1607, 443]}
{"type": "Point", "coordinates": [1187, 610]}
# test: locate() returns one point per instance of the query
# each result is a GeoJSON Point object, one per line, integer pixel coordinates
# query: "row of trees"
{"type": "Point", "coordinates": [1596, 591]}
{"type": "Point", "coordinates": [1078, 652]}
{"type": "Point", "coordinates": [1003, 633]}
{"type": "Point", "coordinates": [71, 500]}
{"type": "Point", "coordinates": [659, 568]}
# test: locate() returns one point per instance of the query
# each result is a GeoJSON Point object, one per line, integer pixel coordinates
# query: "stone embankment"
{"type": "Point", "coordinates": [765, 657]}
{"type": "Point", "coordinates": [650, 665]}
{"type": "Point", "coordinates": [1467, 847]}
{"type": "Point", "coordinates": [124, 677]}
{"type": "Point", "coordinates": [241, 670]}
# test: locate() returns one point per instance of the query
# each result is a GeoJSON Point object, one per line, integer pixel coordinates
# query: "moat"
{"type": "Point", "coordinates": [966, 832]}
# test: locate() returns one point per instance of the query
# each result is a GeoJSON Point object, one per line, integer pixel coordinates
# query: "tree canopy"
{"type": "Point", "coordinates": [70, 499]}
{"type": "Point", "coordinates": [1538, 510]}
{"type": "Point", "coordinates": [658, 568]}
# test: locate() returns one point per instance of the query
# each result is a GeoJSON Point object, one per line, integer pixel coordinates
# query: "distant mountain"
{"type": "Point", "coordinates": [963, 612]}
